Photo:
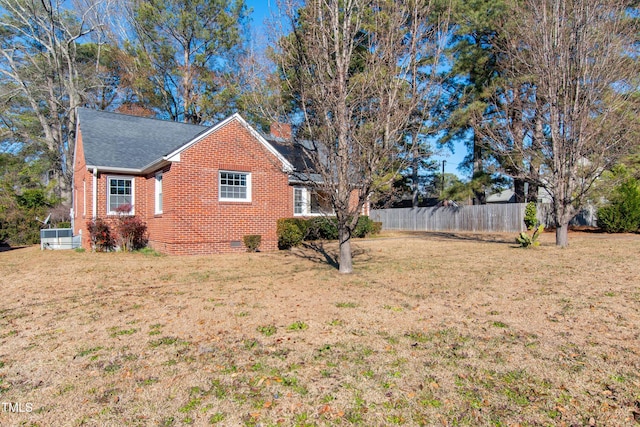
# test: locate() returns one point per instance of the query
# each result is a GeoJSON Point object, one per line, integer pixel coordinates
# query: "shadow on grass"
{"type": "Point", "coordinates": [317, 252]}
{"type": "Point", "coordinates": [6, 248]}
{"type": "Point", "coordinates": [471, 237]}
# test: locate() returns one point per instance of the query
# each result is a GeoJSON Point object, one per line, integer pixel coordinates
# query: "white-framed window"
{"type": "Point", "coordinates": [299, 201]}
{"type": "Point", "coordinates": [120, 192]}
{"type": "Point", "coordinates": [158, 193]}
{"type": "Point", "coordinates": [234, 186]}
{"type": "Point", "coordinates": [309, 202]}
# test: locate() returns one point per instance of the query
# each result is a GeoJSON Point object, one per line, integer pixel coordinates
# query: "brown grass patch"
{"type": "Point", "coordinates": [432, 329]}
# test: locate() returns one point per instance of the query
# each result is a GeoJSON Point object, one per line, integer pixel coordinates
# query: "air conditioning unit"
{"type": "Point", "coordinates": [58, 238]}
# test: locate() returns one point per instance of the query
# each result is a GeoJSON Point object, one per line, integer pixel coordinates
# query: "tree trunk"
{"type": "Point", "coordinates": [345, 261]}
{"type": "Point", "coordinates": [562, 235]}
{"type": "Point", "coordinates": [414, 185]}
{"type": "Point", "coordinates": [532, 193]}
{"type": "Point", "coordinates": [518, 189]}
{"type": "Point", "coordinates": [479, 196]}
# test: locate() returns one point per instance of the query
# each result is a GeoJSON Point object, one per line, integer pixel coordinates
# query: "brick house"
{"type": "Point", "coordinates": [199, 189]}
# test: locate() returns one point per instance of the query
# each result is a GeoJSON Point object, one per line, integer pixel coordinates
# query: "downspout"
{"type": "Point", "coordinates": [95, 194]}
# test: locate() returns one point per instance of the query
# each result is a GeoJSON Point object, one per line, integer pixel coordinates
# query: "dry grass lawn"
{"type": "Point", "coordinates": [432, 329]}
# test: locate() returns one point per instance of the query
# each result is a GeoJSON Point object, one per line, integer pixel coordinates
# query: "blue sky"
{"type": "Point", "coordinates": [263, 9]}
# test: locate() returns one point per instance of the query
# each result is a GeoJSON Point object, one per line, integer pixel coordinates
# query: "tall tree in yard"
{"type": "Point", "coordinates": [359, 71]}
{"type": "Point", "coordinates": [476, 30]}
{"type": "Point", "coordinates": [564, 111]}
{"type": "Point", "coordinates": [42, 80]}
{"type": "Point", "coordinates": [185, 51]}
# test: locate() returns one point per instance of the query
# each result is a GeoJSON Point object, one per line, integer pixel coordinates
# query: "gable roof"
{"type": "Point", "coordinates": [121, 142]}
{"type": "Point", "coordinates": [286, 164]}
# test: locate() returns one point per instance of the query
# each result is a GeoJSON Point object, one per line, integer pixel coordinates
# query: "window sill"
{"type": "Point", "coordinates": [235, 201]}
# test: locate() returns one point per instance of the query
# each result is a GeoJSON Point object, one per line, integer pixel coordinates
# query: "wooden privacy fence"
{"type": "Point", "coordinates": [508, 217]}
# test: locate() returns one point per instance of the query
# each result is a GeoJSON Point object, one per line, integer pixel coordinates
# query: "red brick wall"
{"type": "Point", "coordinates": [82, 193]}
{"type": "Point", "coordinates": [160, 225]}
{"type": "Point", "coordinates": [194, 221]}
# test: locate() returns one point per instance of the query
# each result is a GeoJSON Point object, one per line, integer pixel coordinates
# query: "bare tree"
{"type": "Point", "coordinates": [41, 78]}
{"type": "Point", "coordinates": [562, 113]}
{"type": "Point", "coordinates": [356, 73]}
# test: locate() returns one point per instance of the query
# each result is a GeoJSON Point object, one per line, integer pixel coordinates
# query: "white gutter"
{"type": "Point", "coordinates": [95, 168]}
{"type": "Point", "coordinates": [155, 165]}
{"type": "Point", "coordinates": [95, 194]}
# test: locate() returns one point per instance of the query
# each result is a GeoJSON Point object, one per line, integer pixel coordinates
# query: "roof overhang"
{"type": "Point", "coordinates": [305, 178]}
{"type": "Point", "coordinates": [112, 169]}
{"type": "Point", "coordinates": [151, 167]}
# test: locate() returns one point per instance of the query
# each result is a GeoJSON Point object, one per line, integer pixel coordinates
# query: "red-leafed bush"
{"type": "Point", "coordinates": [100, 235]}
{"type": "Point", "coordinates": [131, 230]}
{"type": "Point", "coordinates": [132, 233]}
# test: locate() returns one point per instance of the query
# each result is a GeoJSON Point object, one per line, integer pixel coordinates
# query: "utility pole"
{"type": "Point", "coordinates": [442, 179]}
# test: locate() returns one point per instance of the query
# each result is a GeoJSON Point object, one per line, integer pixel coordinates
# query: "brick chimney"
{"type": "Point", "coordinates": [281, 130]}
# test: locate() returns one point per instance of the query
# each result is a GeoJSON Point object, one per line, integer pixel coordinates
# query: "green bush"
{"type": "Point", "coordinates": [291, 232]}
{"type": "Point", "coordinates": [322, 228]}
{"type": "Point", "coordinates": [252, 242]}
{"type": "Point", "coordinates": [377, 227]}
{"type": "Point", "coordinates": [326, 228]}
{"type": "Point", "coordinates": [364, 227]}
{"type": "Point", "coordinates": [18, 227]}
{"type": "Point", "coordinates": [610, 220]}
{"type": "Point", "coordinates": [18, 212]}
{"type": "Point", "coordinates": [622, 215]}
{"type": "Point", "coordinates": [530, 216]}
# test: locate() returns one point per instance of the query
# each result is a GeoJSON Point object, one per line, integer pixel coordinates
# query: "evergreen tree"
{"type": "Point", "coordinates": [185, 53]}
{"type": "Point", "coordinates": [476, 31]}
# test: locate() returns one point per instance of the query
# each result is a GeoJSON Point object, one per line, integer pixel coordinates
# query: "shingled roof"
{"type": "Point", "coordinates": [132, 143]}
{"type": "Point", "coordinates": [297, 155]}
{"type": "Point", "coordinates": [113, 140]}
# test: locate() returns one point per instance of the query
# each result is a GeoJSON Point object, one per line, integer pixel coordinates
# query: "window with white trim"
{"type": "Point", "coordinates": [119, 193]}
{"type": "Point", "coordinates": [235, 186]}
{"type": "Point", "coordinates": [309, 202]}
{"type": "Point", "coordinates": [158, 193]}
{"type": "Point", "coordinates": [299, 202]}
